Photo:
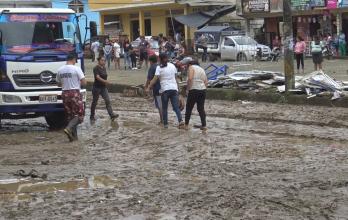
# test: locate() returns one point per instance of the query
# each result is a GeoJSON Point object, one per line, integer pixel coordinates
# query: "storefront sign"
{"type": "Point", "coordinates": [256, 6]}
{"type": "Point", "coordinates": [331, 4]}
{"type": "Point", "coordinates": [306, 4]}
{"type": "Point", "coordinates": [276, 5]}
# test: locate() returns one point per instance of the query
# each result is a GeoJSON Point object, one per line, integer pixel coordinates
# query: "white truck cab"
{"type": "Point", "coordinates": [34, 44]}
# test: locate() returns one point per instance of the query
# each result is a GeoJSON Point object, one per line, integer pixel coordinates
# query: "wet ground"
{"type": "Point", "coordinates": [256, 161]}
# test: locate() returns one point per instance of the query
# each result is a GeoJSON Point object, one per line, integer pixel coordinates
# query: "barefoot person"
{"type": "Point", "coordinates": [167, 74]}
{"type": "Point", "coordinates": [157, 86]}
{"type": "Point", "coordinates": [196, 89]}
{"type": "Point", "coordinates": [70, 78]}
{"type": "Point", "coordinates": [99, 88]}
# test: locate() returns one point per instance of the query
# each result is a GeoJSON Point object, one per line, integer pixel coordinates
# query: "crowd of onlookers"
{"type": "Point", "coordinates": [318, 47]}
{"type": "Point", "coordinates": [137, 53]}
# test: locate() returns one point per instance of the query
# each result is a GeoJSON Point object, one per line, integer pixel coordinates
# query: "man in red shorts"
{"type": "Point", "coordinates": [70, 78]}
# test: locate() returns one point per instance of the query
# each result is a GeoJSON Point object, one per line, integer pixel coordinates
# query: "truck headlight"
{"type": "Point", "coordinates": [11, 99]}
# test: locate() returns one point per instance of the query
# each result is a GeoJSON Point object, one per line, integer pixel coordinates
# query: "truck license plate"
{"type": "Point", "coordinates": [47, 98]}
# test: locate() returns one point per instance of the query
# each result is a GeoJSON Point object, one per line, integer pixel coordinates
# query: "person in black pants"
{"type": "Point", "coordinates": [196, 89]}
{"type": "Point", "coordinates": [300, 48]}
{"type": "Point", "coordinates": [99, 88]}
{"type": "Point", "coordinates": [133, 57]}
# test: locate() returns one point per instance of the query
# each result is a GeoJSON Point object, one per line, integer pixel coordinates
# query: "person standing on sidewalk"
{"type": "Point", "coordinates": [71, 78]}
{"type": "Point", "coordinates": [95, 50]}
{"type": "Point", "coordinates": [342, 44]}
{"type": "Point", "coordinates": [167, 74]}
{"type": "Point", "coordinates": [203, 42]}
{"type": "Point", "coordinates": [108, 51]}
{"type": "Point", "coordinates": [156, 89]}
{"type": "Point", "coordinates": [99, 88]}
{"type": "Point", "coordinates": [317, 53]}
{"type": "Point", "coordinates": [196, 89]}
{"type": "Point", "coordinates": [126, 56]}
{"type": "Point", "coordinates": [117, 54]}
{"type": "Point", "coordinates": [300, 48]}
{"type": "Point", "coordinates": [143, 54]}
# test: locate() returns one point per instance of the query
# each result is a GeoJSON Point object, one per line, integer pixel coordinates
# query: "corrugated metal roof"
{"type": "Point", "coordinates": [202, 18]}
{"type": "Point", "coordinates": [214, 29]}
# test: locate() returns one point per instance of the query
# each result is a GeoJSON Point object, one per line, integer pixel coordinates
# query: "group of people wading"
{"type": "Point", "coordinates": [162, 80]}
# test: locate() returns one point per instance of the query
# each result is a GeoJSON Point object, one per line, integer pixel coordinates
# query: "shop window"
{"type": "Point", "coordinates": [112, 24]}
{"type": "Point", "coordinates": [77, 6]}
{"type": "Point", "coordinates": [147, 27]}
{"type": "Point", "coordinates": [111, 18]}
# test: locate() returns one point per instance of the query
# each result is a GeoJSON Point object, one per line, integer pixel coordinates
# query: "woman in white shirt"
{"type": "Point", "coordinates": [117, 54]}
{"type": "Point", "coordinates": [196, 89]}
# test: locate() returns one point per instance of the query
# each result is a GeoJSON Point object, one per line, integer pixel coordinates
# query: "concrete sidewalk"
{"type": "Point", "coordinates": [337, 68]}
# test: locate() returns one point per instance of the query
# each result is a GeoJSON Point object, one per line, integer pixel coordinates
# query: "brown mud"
{"type": "Point", "coordinates": [256, 161]}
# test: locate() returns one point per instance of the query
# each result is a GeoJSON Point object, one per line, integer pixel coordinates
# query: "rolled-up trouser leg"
{"type": "Point", "coordinates": [73, 123]}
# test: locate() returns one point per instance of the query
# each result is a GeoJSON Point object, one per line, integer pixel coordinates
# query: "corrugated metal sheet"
{"type": "Point", "coordinates": [202, 18]}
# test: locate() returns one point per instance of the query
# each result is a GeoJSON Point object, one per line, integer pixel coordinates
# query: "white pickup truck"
{"type": "Point", "coordinates": [230, 44]}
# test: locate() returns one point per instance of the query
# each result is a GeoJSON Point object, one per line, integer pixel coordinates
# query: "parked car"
{"type": "Point", "coordinates": [154, 45]}
{"type": "Point", "coordinates": [243, 48]}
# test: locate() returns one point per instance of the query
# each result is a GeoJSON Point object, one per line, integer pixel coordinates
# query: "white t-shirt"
{"type": "Point", "coordinates": [117, 49]}
{"type": "Point", "coordinates": [95, 46]}
{"type": "Point", "coordinates": [167, 76]}
{"type": "Point", "coordinates": [70, 76]}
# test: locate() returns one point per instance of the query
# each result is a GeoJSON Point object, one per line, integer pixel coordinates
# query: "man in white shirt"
{"type": "Point", "coordinates": [95, 50]}
{"type": "Point", "coordinates": [70, 78]}
{"type": "Point", "coordinates": [167, 74]}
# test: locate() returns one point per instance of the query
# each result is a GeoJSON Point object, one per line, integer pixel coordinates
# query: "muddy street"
{"type": "Point", "coordinates": [256, 161]}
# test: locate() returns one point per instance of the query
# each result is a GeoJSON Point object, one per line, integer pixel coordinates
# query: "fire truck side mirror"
{"type": "Point", "coordinates": [93, 29]}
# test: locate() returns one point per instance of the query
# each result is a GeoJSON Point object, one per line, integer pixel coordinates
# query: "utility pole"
{"type": "Point", "coordinates": [288, 46]}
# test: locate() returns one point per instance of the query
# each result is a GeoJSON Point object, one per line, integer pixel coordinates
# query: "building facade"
{"type": "Point", "coordinates": [149, 18]}
{"type": "Point", "coordinates": [144, 17]}
{"type": "Point", "coordinates": [310, 17]}
{"type": "Point", "coordinates": [81, 7]}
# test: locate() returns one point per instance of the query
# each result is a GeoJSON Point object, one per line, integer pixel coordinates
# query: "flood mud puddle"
{"type": "Point", "coordinates": [22, 189]}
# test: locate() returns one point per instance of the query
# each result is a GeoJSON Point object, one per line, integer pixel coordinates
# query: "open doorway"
{"type": "Point", "coordinates": [135, 29]}
{"type": "Point", "coordinates": [178, 27]}
{"type": "Point", "coordinates": [148, 27]}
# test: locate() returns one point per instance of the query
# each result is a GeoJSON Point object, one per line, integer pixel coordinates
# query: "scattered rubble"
{"type": "Point", "coordinates": [313, 84]}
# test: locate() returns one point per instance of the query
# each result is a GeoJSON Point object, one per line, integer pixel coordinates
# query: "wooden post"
{"type": "Point", "coordinates": [141, 23]}
{"type": "Point", "coordinates": [188, 38]}
{"type": "Point", "coordinates": [288, 43]}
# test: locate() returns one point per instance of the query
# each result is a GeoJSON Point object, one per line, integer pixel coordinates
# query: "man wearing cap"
{"type": "Point", "coordinates": [167, 74]}
{"type": "Point", "coordinates": [71, 78]}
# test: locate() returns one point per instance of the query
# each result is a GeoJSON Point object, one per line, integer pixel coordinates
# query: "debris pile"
{"type": "Point", "coordinates": [313, 84]}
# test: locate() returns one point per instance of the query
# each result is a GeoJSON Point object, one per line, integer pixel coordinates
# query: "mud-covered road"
{"type": "Point", "coordinates": [256, 161]}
